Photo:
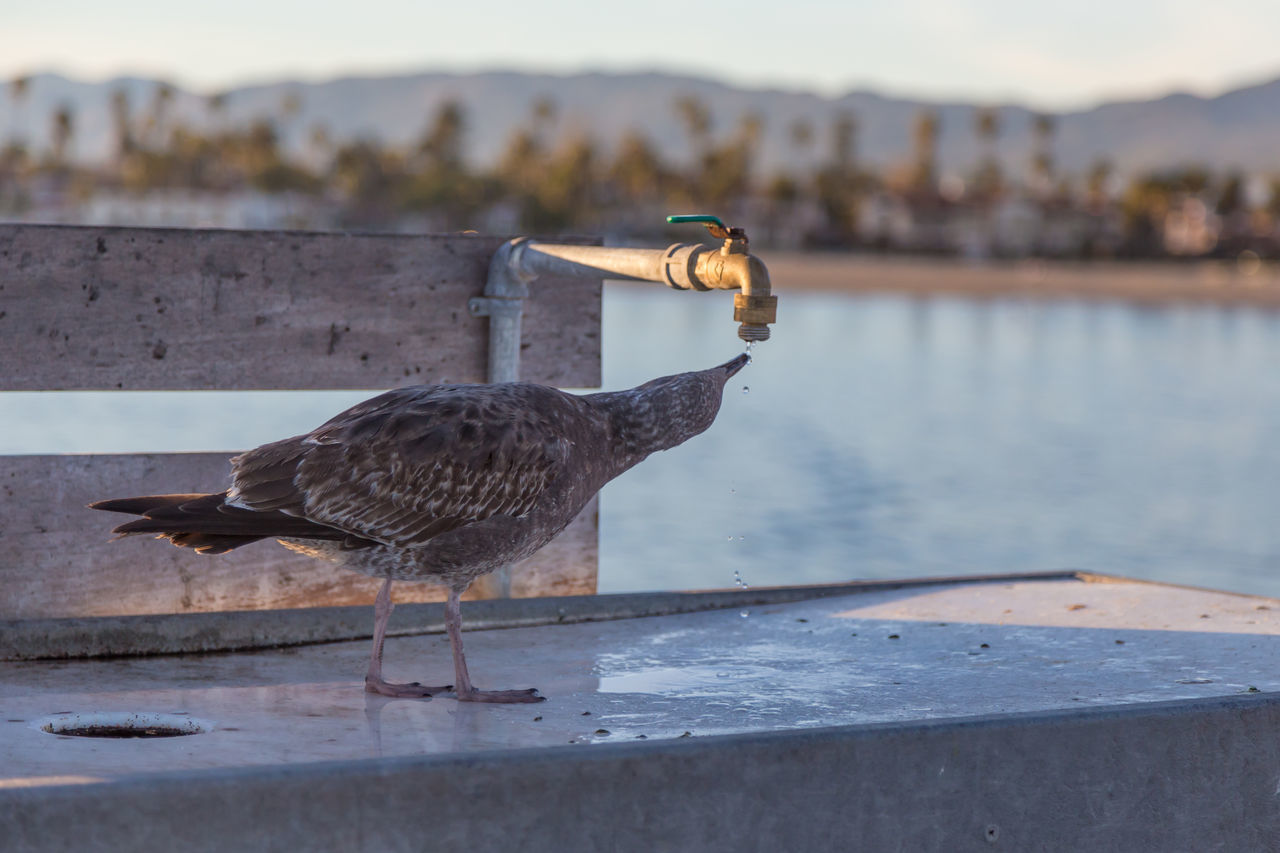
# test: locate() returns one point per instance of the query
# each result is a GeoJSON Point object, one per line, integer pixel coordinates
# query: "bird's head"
{"type": "Point", "coordinates": [670, 410]}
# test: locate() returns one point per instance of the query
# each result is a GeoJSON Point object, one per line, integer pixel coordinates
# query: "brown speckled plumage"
{"type": "Point", "coordinates": [439, 483]}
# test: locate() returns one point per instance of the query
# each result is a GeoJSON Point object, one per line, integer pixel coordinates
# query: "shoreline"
{"type": "Point", "coordinates": [1213, 282]}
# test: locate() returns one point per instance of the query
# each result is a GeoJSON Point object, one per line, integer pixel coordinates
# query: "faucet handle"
{"type": "Point", "coordinates": [717, 228]}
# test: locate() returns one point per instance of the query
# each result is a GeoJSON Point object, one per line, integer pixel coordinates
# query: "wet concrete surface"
{"type": "Point", "coordinates": [886, 656]}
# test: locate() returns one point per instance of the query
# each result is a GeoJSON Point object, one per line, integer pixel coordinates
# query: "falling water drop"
{"type": "Point", "coordinates": [742, 585]}
{"type": "Point", "coordinates": [746, 390]}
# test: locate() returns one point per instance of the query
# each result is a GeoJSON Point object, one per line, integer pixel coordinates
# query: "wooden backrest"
{"type": "Point", "coordinates": [123, 308]}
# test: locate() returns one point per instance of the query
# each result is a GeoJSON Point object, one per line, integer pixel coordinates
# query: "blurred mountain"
{"type": "Point", "coordinates": [1238, 129]}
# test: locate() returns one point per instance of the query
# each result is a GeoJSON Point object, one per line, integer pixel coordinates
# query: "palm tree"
{"type": "Point", "coordinates": [800, 136]}
{"type": "Point", "coordinates": [1043, 127]}
{"type": "Point", "coordinates": [1098, 182]}
{"type": "Point", "coordinates": [367, 176]}
{"type": "Point", "coordinates": [19, 91]}
{"type": "Point", "coordinates": [925, 147]}
{"type": "Point", "coordinates": [519, 166]}
{"type": "Point", "coordinates": [1273, 198]}
{"type": "Point", "coordinates": [543, 117]}
{"type": "Point", "coordinates": [751, 129]}
{"type": "Point", "coordinates": [61, 133]}
{"type": "Point", "coordinates": [725, 175]}
{"type": "Point", "coordinates": [158, 120]}
{"type": "Point", "coordinates": [986, 125]}
{"type": "Point", "coordinates": [637, 172]}
{"type": "Point", "coordinates": [1231, 198]}
{"type": "Point", "coordinates": [122, 126]}
{"type": "Point", "coordinates": [441, 145]}
{"type": "Point", "coordinates": [319, 145]}
{"type": "Point", "coordinates": [696, 118]}
{"type": "Point", "coordinates": [216, 104]}
{"type": "Point", "coordinates": [844, 131]}
{"type": "Point", "coordinates": [564, 192]}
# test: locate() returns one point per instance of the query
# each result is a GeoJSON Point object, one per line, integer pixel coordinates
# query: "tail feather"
{"type": "Point", "coordinates": [207, 524]}
{"type": "Point", "coordinates": [207, 543]}
{"type": "Point", "coordinates": [143, 505]}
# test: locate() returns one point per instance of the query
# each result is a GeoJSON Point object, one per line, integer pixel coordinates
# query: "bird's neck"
{"type": "Point", "coordinates": [634, 427]}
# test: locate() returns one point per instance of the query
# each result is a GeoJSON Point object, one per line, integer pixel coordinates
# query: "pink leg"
{"type": "Point", "coordinates": [466, 692]}
{"type": "Point", "coordinates": [373, 682]}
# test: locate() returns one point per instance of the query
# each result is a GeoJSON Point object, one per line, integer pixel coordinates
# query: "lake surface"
{"type": "Point", "coordinates": [881, 437]}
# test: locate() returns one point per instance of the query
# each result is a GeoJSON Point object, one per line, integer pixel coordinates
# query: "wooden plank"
{"type": "Point", "coordinates": [56, 560]}
{"type": "Point", "coordinates": [133, 308]}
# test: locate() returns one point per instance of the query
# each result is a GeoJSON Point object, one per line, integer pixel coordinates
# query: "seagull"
{"type": "Point", "coordinates": [436, 483]}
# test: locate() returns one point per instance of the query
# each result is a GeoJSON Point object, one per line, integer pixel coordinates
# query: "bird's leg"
{"type": "Point", "coordinates": [466, 692]}
{"type": "Point", "coordinates": [373, 682]}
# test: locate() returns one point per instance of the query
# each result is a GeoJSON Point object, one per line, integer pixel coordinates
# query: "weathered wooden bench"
{"type": "Point", "coordinates": [165, 309]}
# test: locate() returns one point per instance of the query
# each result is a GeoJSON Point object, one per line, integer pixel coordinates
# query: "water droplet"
{"type": "Point", "coordinates": [746, 390]}
{"type": "Point", "coordinates": [742, 585]}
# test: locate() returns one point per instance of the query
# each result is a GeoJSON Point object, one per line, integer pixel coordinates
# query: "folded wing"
{"type": "Point", "coordinates": [412, 464]}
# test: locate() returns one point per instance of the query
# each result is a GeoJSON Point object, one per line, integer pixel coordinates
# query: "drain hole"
{"type": "Point", "coordinates": [123, 725]}
{"type": "Point", "coordinates": [120, 731]}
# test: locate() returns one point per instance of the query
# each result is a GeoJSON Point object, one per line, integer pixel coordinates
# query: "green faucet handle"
{"type": "Point", "coordinates": [717, 228]}
{"type": "Point", "coordinates": [702, 218]}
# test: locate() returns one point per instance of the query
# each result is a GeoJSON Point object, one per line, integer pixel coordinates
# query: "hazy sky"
{"type": "Point", "coordinates": [1069, 55]}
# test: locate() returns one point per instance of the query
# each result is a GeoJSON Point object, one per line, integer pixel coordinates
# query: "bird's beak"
{"type": "Point", "coordinates": [734, 365]}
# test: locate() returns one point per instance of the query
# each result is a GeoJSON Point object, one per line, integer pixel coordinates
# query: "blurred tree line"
{"type": "Point", "coordinates": [549, 181]}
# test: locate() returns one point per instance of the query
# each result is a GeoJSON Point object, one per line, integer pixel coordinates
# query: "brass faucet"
{"type": "Point", "coordinates": [734, 268]}
{"type": "Point", "coordinates": [683, 266]}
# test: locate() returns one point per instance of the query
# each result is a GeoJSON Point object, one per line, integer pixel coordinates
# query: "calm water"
{"type": "Point", "coordinates": [891, 437]}
{"type": "Point", "coordinates": [883, 437]}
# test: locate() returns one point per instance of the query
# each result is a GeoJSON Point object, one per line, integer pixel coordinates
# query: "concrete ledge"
{"type": "Point", "coordinates": [36, 639]}
{"type": "Point", "coordinates": [1182, 775]}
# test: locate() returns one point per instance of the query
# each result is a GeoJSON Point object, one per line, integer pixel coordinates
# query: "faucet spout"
{"type": "Point", "coordinates": [754, 305]}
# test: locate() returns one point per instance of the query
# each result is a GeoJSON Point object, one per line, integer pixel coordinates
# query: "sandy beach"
{"type": "Point", "coordinates": [1251, 282]}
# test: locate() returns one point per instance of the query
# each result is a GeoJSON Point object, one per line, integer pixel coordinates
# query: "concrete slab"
{"type": "Point", "coordinates": [902, 655]}
{"type": "Point", "coordinates": [1123, 700]}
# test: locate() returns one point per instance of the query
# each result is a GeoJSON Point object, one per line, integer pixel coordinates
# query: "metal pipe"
{"type": "Point", "coordinates": [503, 304]}
{"type": "Point", "coordinates": [533, 259]}
{"type": "Point", "coordinates": [684, 266]}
